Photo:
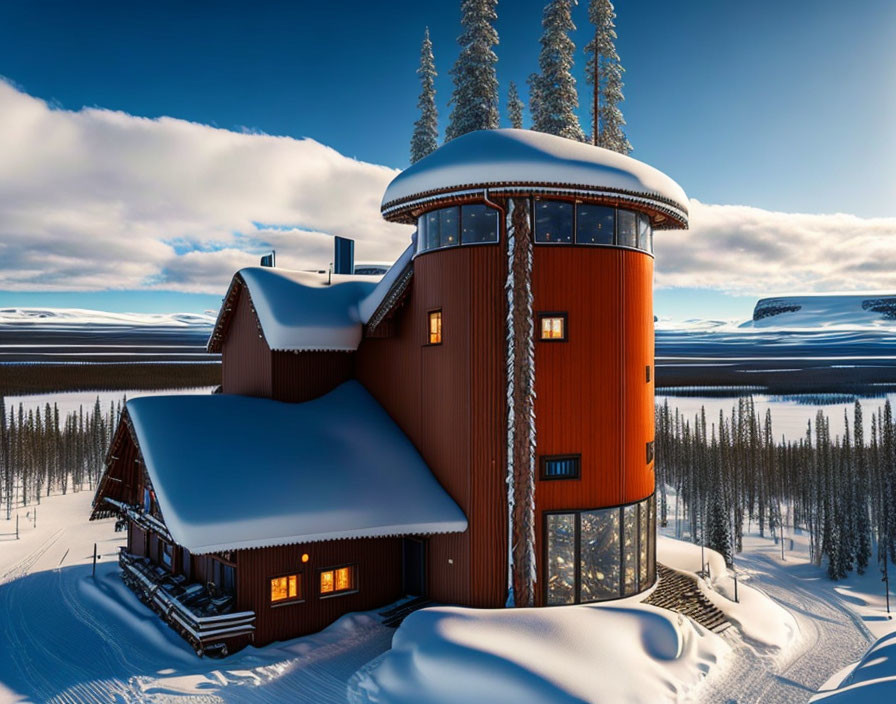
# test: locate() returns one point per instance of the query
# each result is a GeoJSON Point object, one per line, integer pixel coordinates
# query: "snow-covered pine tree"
{"type": "Point", "coordinates": [557, 87]}
{"type": "Point", "coordinates": [475, 97]}
{"type": "Point", "coordinates": [534, 83]}
{"type": "Point", "coordinates": [718, 535]}
{"type": "Point", "coordinates": [514, 107]}
{"type": "Point", "coordinates": [426, 129]}
{"type": "Point", "coordinates": [604, 73]}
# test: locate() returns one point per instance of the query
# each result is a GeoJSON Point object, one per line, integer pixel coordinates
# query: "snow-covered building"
{"type": "Point", "coordinates": [475, 427]}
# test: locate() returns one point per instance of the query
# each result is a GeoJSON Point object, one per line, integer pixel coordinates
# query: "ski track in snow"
{"type": "Point", "coordinates": [831, 636]}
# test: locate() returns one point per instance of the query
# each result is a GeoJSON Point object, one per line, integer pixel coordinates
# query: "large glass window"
{"type": "Point", "coordinates": [553, 221]}
{"type": "Point", "coordinates": [479, 224]}
{"type": "Point", "coordinates": [561, 537]}
{"type": "Point", "coordinates": [599, 554]}
{"type": "Point", "coordinates": [630, 548]}
{"type": "Point", "coordinates": [626, 228]}
{"type": "Point", "coordinates": [595, 224]}
{"type": "Point", "coordinates": [442, 228]}
{"type": "Point", "coordinates": [645, 233]}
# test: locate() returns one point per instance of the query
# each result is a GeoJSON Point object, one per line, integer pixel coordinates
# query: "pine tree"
{"type": "Point", "coordinates": [557, 87]}
{"type": "Point", "coordinates": [475, 97]}
{"type": "Point", "coordinates": [426, 128]}
{"type": "Point", "coordinates": [514, 107]}
{"type": "Point", "coordinates": [604, 66]}
{"type": "Point", "coordinates": [535, 104]}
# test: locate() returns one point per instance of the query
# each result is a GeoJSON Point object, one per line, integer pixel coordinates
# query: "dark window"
{"type": "Point", "coordinates": [626, 228]}
{"type": "Point", "coordinates": [552, 327]}
{"type": "Point", "coordinates": [553, 221]}
{"type": "Point", "coordinates": [645, 238]}
{"type": "Point", "coordinates": [650, 451]}
{"type": "Point", "coordinates": [434, 333]}
{"type": "Point", "coordinates": [224, 577]}
{"type": "Point", "coordinates": [561, 467]}
{"type": "Point", "coordinates": [338, 580]}
{"type": "Point", "coordinates": [286, 588]}
{"type": "Point", "coordinates": [595, 224]}
{"type": "Point", "coordinates": [442, 228]}
{"type": "Point", "coordinates": [186, 563]}
{"type": "Point", "coordinates": [479, 224]}
{"type": "Point", "coordinates": [167, 554]}
{"type": "Point", "coordinates": [647, 371]}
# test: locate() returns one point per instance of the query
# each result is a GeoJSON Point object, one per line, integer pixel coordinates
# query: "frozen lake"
{"type": "Point", "coordinates": [71, 401]}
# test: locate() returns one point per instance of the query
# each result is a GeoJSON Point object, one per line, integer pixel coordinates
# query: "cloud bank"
{"type": "Point", "coordinates": [95, 199]}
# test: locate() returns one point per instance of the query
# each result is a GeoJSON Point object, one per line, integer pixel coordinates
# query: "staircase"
{"type": "Point", "coordinates": [679, 592]}
{"type": "Point", "coordinates": [394, 616]}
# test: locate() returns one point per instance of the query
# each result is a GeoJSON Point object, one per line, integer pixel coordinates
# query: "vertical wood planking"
{"type": "Point", "coordinates": [245, 356]}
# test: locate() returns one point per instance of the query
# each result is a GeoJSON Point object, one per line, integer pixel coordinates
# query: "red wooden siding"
{"type": "Point", "coordinates": [449, 400]}
{"type": "Point", "coordinates": [592, 394]}
{"type": "Point", "coordinates": [378, 576]}
{"type": "Point", "coordinates": [246, 358]}
{"type": "Point", "coordinates": [303, 376]}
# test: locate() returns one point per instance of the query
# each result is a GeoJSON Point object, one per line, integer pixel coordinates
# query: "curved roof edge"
{"type": "Point", "coordinates": [526, 161]}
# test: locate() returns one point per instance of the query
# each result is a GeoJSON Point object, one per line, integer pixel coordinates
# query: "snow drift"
{"type": "Point", "coordinates": [566, 654]}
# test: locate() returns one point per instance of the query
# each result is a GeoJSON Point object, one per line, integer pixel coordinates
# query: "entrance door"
{"type": "Point", "coordinates": [414, 567]}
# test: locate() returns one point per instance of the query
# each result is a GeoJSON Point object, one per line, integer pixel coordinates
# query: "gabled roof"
{"type": "Point", "coordinates": [233, 472]}
{"type": "Point", "coordinates": [300, 311]}
{"type": "Point", "coordinates": [509, 159]}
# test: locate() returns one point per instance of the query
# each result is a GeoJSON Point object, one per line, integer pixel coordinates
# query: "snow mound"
{"type": "Point", "coordinates": [758, 618]}
{"type": "Point", "coordinates": [873, 679]}
{"type": "Point", "coordinates": [80, 316]}
{"type": "Point", "coordinates": [839, 310]}
{"type": "Point", "coordinates": [335, 467]}
{"type": "Point", "coordinates": [451, 655]}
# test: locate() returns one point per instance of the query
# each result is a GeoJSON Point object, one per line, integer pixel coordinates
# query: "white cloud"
{"type": "Point", "coordinates": [96, 199]}
{"type": "Point", "coordinates": [749, 251]}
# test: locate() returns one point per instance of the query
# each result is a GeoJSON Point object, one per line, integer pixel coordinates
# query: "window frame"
{"type": "Point", "coordinates": [646, 504]}
{"type": "Point", "coordinates": [429, 315]}
{"type": "Point", "coordinates": [300, 588]}
{"type": "Point", "coordinates": [497, 214]}
{"type": "Point", "coordinates": [354, 589]}
{"type": "Point", "coordinates": [570, 201]}
{"type": "Point", "coordinates": [541, 315]}
{"type": "Point", "coordinates": [543, 462]}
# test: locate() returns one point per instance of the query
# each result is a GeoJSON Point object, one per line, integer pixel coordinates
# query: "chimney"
{"type": "Point", "coordinates": [269, 259]}
{"type": "Point", "coordinates": [344, 256]}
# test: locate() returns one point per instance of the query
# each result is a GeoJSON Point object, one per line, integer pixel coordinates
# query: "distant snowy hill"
{"type": "Point", "coordinates": [871, 310]}
{"type": "Point", "coordinates": [79, 316]}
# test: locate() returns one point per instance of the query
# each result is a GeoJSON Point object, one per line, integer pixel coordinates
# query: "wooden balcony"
{"type": "Point", "coordinates": [202, 619]}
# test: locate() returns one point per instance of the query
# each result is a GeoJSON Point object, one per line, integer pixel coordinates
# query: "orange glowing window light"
{"type": "Point", "coordinates": [435, 327]}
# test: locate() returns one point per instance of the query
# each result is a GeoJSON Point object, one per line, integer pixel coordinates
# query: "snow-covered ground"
{"type": "Point", "coordinates": [67, 636]}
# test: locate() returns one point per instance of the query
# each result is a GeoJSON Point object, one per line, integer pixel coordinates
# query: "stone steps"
{"type": "Point", "coordinates": [679, 592]}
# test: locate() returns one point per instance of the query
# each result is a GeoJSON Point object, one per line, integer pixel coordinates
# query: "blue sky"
{"type": "Point", "coordinates": [785, 106]}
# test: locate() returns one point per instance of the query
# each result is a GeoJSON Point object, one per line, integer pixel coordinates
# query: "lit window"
{"type": "Point", "coordinates": [337, 580]}
{"type": "Point", "coordinates": [435, 327]}
{"type": "Point", "coordinates": [285, 588]}
{"type": "Point", "coordinates": [561, 467]}
{"type": "Point", "coordinates": [552, 326]}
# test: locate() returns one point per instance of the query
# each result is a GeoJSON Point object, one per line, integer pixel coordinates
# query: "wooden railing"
{"type": "Point", "coordinates": [205, 633]}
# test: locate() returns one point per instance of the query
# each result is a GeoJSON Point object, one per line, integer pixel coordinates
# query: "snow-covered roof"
{"type": "Point", "coordinates": [233, 472]}
{"type": "Point", "coordinates": [301, 311]}
{"type": "Point", "coordinates": [508, 159]}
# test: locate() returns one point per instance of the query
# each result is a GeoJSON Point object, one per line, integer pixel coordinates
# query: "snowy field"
{"type": "Point", "coordinates": [69, 637]}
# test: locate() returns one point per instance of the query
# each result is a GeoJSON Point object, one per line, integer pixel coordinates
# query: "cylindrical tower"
{"type": "Point", "coordinates": [567, 230]}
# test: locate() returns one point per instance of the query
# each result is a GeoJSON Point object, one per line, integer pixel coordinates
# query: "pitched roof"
{"type": "Point", "coordinates": [505, 159]}
{"type": "Point", "coordinates": [233, 472]}
{"type": "Point", "coordinates": [304, 310]}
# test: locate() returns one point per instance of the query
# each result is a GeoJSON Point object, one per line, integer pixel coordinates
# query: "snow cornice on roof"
{"type": "Point", "coordinates": [337, 467]}
{"type": "Point", "coordinates": [509, 162]}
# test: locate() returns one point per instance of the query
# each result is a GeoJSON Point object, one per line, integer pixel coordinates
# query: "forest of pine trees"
{"type": "Point", "coordinates": [731, 475]}
{"type": "Point", "coordinates": [553, 97]}
{"type": "Point", "coordinates": [42, 453]}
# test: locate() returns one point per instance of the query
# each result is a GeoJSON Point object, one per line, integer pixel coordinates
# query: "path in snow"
{"type": "Point", "coordinates": [831, 637]}
{"type": "Point", "coordinates": [66, 636]}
